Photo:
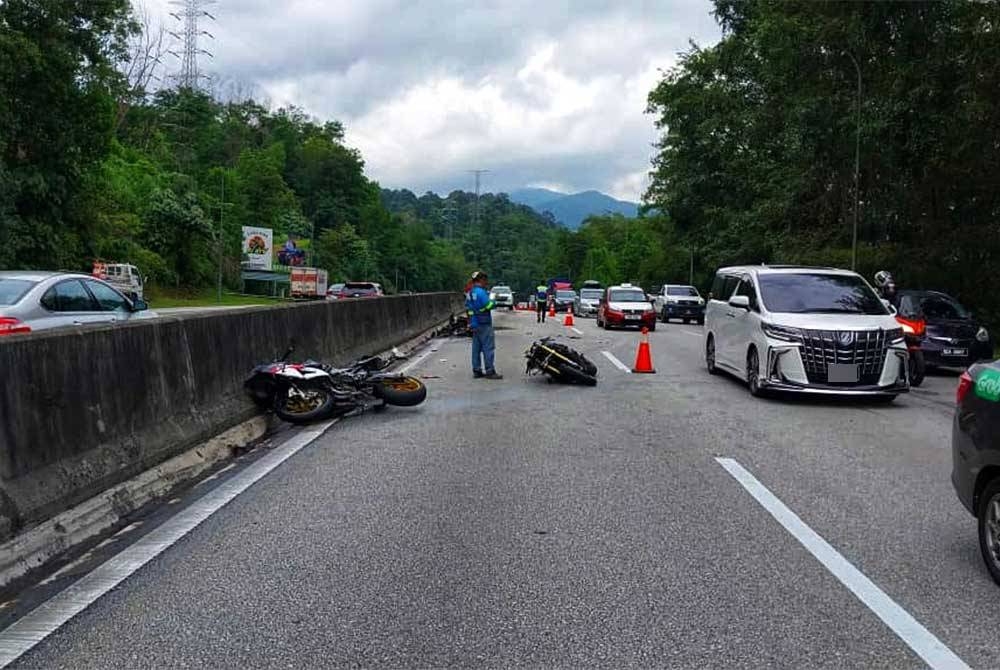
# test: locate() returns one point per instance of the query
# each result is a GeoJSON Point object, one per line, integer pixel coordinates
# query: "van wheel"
{"type": "Point", "coordinates": [753, 373]}
{"type": "Point", "coordinates": [989, 528]}
{"type": "Point", "coordinates": [710, 356]}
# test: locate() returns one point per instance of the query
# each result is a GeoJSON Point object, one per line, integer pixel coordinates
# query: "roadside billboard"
{"type": "Point", "coordinates": [258, 248]}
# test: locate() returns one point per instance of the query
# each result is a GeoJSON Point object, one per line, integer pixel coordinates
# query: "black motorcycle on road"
{"type": "Point", "coordinates": [311, 391]}
{"type": "Point", "coordinates": [560, 362]}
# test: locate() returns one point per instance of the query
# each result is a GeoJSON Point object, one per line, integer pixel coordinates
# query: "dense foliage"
{"type": "Point", "coordinates": [756, 160]}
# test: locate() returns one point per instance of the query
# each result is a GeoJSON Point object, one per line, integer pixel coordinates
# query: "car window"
{"type": "Point", "coordinates": [628, 295]}
{"type": "Point", "coordinates": [590, 294]}
{"type": "Point", "coordinates": [12, 290]}
{"type": "Point", "coordinates": [682, 290]}
{"type": "Point", "coordinates": [747, 288]}
{"type": "Point", "coordinates": [109, 299]}
{"type": "Point", "coordinates": [940, 307]}
{"type": "Point", "coordinates": [807, 293]}
{"type": "Point", "coordinates": [69, 296]}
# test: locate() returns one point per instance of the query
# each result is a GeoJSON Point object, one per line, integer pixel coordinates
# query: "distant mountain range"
{"type": "Point", "coordinates": [571, 209]}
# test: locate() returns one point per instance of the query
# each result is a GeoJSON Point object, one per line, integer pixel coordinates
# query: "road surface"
{"type": "Point", "coordinates": [665, 520]}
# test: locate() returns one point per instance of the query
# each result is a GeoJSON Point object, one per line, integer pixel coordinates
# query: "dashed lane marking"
{"type": "Point", "coordinates": [934, 652]}
{"type": "Point", "coordinates": [617, 363]}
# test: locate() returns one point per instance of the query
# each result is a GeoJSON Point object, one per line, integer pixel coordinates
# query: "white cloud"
{"type": "Point", "coordinates": [538, 92]}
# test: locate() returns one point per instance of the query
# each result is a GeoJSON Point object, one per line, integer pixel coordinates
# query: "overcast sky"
{"type": "Point", "coordinates": [541, 93]}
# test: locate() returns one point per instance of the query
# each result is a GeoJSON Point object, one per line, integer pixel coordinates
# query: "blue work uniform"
{"type": "Point", "coordinates": [480, 308]}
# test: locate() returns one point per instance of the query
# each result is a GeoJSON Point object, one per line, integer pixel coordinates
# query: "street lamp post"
{"type": "Point", "coordinates": [857, 168]}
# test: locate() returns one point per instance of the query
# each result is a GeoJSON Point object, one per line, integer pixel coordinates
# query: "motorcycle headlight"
{"type": "Point", "coordinates": [983, 335]}
{"type": "Point", "coordinates": [783, 333]}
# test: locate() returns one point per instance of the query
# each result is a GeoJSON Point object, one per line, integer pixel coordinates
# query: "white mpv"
{"type": "Point", "coordinates": [813, 330]}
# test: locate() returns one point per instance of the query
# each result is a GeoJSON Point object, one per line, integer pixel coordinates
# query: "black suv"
{"type": "Point", "coordinates": [954, 337]}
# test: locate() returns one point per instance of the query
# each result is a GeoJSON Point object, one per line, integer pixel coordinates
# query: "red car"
{"type": "Point", "coordinates": [625, 305]}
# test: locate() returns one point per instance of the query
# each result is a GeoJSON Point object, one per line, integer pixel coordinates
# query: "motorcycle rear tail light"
{"type": "Point", "coordinates": [11, 326]}
{"type": "Point", "coordinates": [965, 384]}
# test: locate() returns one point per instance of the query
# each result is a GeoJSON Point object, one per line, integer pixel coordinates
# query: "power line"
{"type": "Point", "coordinates": [190, 12]}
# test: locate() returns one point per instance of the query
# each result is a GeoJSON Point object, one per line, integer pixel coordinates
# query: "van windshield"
{"type": "Point", "coordinates": [591, 294]}
{"type": "Point", "coordinates": [801, 293]}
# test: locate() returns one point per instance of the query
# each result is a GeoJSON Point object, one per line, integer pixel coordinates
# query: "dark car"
{"type": "Point", "coordinates": [954, 337]}
{"type": "Point", "coordinates": [975, 448]}
{"type": "Point", "coordinates": [564, 299]}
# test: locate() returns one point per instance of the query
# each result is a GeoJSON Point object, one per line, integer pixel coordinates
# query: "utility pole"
{"type": "Point", "coordinates": [857, 169]}
{"type": "Point", "coordinates": [479, 174]}
{"type": "Point", "coordinates": [190, 12]}
{"type": "Point", "coordinates": [691, 271]}
{"type": "Point", "coordinates": [221, 236]}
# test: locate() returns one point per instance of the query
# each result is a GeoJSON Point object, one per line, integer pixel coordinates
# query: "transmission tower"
{"type": "Point", "coordinates": [190, 12]}
{"type": "Point", "coordinates": [479, 174]}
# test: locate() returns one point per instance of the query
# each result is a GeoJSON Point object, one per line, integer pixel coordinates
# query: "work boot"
{"type": "Point", "coordinates": [494, 375]}
{"type": "Point", "coordinates": [476, 374]}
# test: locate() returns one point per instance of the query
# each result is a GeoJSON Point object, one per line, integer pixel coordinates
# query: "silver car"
{"type": "Point", "coordinates": [32, 301]}
{"type": "Point", "coordinates": [587, 302]}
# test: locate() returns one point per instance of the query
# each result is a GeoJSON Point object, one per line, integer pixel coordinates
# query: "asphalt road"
{"type": "Point", "coordinates": [518, 523]}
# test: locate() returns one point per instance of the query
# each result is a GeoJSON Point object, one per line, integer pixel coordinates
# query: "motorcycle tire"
{"type": "Point", "coordinates": [401, 391]}
{"type": "Point", "coordinates": [282, 407]}
{"type": "Point", "coordinates": [918, 369]}
{"type": "Point", "coordinates": [586, 366]}
{"type": "Point", "coordinates": [573, 375]}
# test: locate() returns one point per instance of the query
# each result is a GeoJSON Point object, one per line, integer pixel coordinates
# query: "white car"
{"type": "Point", "coordinates": [678, 301]}
{"type": "Point", "coordinates": [502, 296]}
{"type": "Point", "coordinates": [814, 330]}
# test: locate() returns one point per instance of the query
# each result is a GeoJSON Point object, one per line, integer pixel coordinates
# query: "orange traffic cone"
{"type": "Point", "coordinates": [643, 359]}
{"type": "Point", "coordinates": [568, 321]}
{"type": "Point", "coordinates": [552, 311]}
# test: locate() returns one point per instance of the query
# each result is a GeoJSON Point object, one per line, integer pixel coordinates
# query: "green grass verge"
{"type": "Point", "coordinates": [161, 298]}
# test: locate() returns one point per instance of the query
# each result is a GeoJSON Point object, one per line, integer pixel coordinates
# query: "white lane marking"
{"type": "Point", "coordinates": [576, 330]}
{"type": "Point", "coordinates": [617, 363]}
{"type": "Point", "coordinates": [934, 652]}
{"type": "Point", "coordinates": [416, 361]}
{"type": "Point", "coordinates": [38, 624]}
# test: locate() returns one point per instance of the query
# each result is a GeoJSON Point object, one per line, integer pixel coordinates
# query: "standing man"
{"type": "Point", "coordinates": [541, 302]}
{"type": "Point", "coordinates": [480, 308]}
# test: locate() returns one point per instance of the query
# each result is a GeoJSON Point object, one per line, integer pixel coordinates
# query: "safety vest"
{"type": "Point", "coordinates": [542, 293]}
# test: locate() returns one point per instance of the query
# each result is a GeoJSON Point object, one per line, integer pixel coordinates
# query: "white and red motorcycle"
{"type": "Point", "coordinates": [311, 391]}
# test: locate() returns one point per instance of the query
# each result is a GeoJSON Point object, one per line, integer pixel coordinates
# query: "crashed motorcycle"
{"type": "Point", "coordinates": [311, 391]}
{"type": "Point", "coordinates": [560, 362]}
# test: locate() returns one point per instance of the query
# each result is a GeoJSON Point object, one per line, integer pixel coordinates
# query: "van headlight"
{"type": "Point", "coordinates": [895, 335]}
{"type": "Point", "coordinates": [983, 335]}
{"type": "Point", "coordinates": [784, 333]}
{"type": "Point", "coordinates": [701, 302]}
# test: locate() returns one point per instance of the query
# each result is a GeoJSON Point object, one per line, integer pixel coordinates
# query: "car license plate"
{"type": "Point", "coordinates": [632, 317]}
{"type": "Point", "coordinates": [956, 352]}
{"type": "Point", "coordinates": [841, 373]}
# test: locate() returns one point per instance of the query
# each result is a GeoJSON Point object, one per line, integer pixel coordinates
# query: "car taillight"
{"type": "Point", "coordinates": [965, 384]}
{"type": "Point", "coordinates": [11, 326]}
{"type": "Point", "coordinates": [912, 326]}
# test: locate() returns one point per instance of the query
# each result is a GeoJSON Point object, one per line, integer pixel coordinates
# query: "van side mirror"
{"type": "Point", "coordinates": [740, 302]}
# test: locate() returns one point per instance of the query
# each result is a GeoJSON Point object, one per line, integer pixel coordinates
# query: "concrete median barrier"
{"type": "Point", "coordinates": [84, 410]}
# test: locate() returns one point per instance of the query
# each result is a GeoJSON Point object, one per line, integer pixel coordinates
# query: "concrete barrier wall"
{"type": "Point", "coordinates": [82, 410]}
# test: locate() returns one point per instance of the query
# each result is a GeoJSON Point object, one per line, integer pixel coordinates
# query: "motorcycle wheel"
{"type": "Point", "coordinates": [918, 368]}
{"type": "Point", "coordinates": [574, 375]}
{"type": "Point", "coordinates": [586, 366]}
{"type": "Point", "coordinates": [304, 406]}
{"type": "Point", "coordinates": [401, 391]}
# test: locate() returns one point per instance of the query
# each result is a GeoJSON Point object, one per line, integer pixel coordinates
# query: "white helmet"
{"type": "Point", "coordinates": [883, 279]}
